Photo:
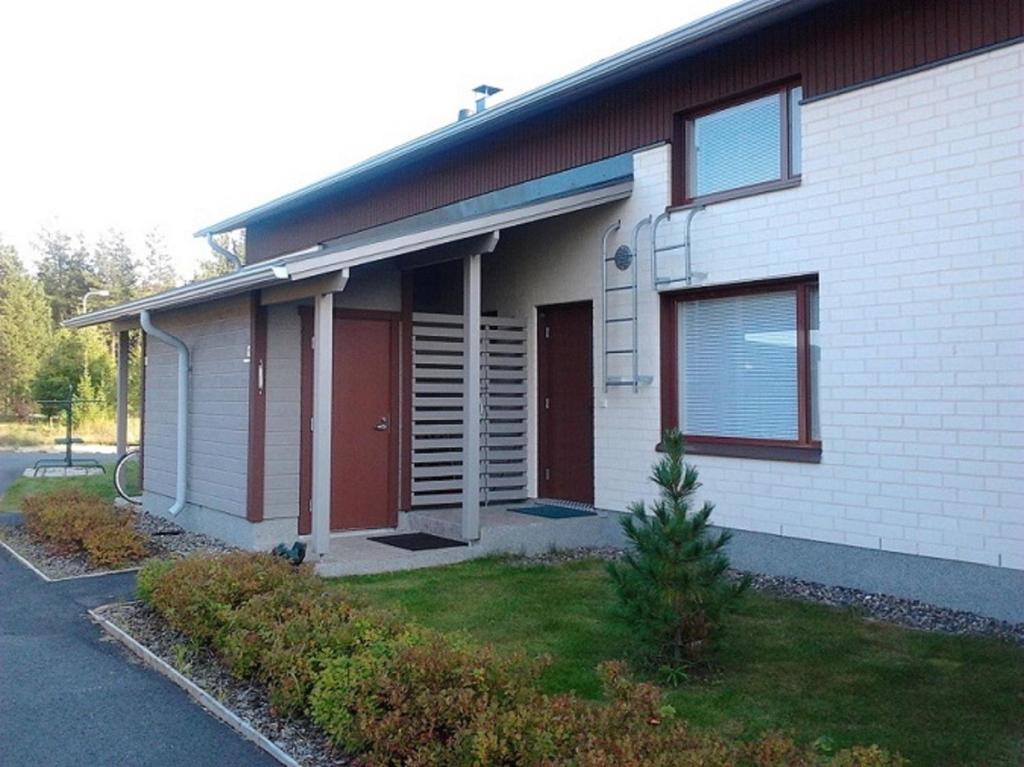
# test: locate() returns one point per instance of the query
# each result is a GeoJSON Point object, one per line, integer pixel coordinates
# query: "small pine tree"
{"type": "Point", "coordinates": [672, 582]}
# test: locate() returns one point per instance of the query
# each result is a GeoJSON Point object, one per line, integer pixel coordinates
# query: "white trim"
{"type": "Point", "coordinates": [324, 260]}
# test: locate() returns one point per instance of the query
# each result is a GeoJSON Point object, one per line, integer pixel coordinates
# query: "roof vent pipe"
{"type": "Point", "coordinates": [464, 114]}
{"type": "Point", "coordinates": [232, 259]}
{"type": "Point", "coordinates": [484, 91]}
{"type": "Point", "coordinates": [181, 473]}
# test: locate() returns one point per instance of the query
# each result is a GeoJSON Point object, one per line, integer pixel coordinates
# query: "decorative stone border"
{"type": "Point", "coordinates": [213, 706]}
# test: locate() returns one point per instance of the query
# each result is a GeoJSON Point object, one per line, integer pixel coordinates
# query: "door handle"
{"type": "Point", "coordinates": [383, 424]}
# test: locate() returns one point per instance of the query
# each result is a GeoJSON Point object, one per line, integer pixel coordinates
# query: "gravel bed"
{"type": "Point", "coordinates": [166, 540]}
{"type": "Point", "coordinates": [881, 607]}
{"type": "Point", "coordinates": [299, 737]}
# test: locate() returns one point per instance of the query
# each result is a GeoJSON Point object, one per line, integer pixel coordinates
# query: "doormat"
{"type": "Point", "coordinates": [417, 541]}
{"type": "Point", "coordinates": [549, 511]}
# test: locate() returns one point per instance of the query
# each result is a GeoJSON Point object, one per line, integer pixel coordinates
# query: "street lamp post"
{"type": "Point", "coordinates": [85, 298]}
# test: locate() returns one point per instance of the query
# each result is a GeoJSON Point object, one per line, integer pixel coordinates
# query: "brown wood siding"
{"type": "Point", "coordinates": [837, 46]}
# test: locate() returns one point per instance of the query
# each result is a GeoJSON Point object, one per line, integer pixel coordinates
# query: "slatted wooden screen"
{"type": "Point", "coordinates": [437, 459]}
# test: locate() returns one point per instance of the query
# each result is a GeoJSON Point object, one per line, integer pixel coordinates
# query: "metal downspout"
{"type": "Point", "coordinates": [233, 259]}
{"type": "Point", "coordinates": [181, 473]}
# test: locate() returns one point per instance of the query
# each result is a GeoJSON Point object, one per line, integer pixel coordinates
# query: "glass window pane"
{"type": "Point", "coordinates": [738, 146]}
{"type": "Point", "coordinates": [795, 131]}
{"type": "Point", "coordinates": [813, 325]}
{"type": "Point", "coordinates": [738, 367]}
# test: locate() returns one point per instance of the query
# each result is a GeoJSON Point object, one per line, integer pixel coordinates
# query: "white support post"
{"type": "Point", "coordinates": [471, 398]}
{"type": "Point", "coordinates": [323, 389]}
{"type": "Point", "coordinates": [123, 352]}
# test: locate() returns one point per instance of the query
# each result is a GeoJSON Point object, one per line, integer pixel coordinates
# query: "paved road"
{"type": "Point", "coordinates": [67, 697]}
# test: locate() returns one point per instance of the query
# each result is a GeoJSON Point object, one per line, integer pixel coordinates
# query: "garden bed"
{"type": "Point", "coordinates": [164, 540]}
{"type": "Point", "coordinates": [819, 662]}
{"type": "Point", "coordinates": [302, 740]}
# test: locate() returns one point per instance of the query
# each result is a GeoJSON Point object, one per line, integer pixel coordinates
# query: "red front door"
{"type": "Point", "coordinates": [565, 401]}
{"type": "Point", "coordinates": [364, 429]}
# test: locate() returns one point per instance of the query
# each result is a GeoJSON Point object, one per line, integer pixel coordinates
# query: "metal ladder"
{"type": "Point", "coordinates": [624, 260]}
{"type": "Point", "coordinates": [688, 275]}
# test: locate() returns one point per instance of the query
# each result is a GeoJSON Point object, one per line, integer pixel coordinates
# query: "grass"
{"type": "Point", "coordinates": [99, 484]}
{"type": "Point", "coordinates": [812, 670]}
{"type": "Point", "coordinates": [23, 434]}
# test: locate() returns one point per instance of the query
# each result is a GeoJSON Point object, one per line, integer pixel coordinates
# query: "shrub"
{"type": "Point", "coordinates": [421, 698]}
{"type": "Point", "coordinates": [148, 576]}
{"type": "Point", "coordinates": [285, 637]}
{"type": "Point", "coordinates": [672, 582]}
{"type": "Point", "coordinates": [398, 694]}
{"type": "Point", "coordinates": [197, 594]}
{"type": "Point", "coordinates": [72, 521]}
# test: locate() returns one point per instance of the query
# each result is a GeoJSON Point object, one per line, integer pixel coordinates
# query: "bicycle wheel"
{"type": "Point", "coordinates": [127, 476]}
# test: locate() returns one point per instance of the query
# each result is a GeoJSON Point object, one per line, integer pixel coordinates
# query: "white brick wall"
{"type": "Point", "coordinates": [911, 212]}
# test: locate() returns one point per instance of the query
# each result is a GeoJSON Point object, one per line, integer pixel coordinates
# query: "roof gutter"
{"type": "Point", "coordinates": [181, 473]}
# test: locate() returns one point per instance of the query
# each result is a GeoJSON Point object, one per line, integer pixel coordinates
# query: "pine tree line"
{"type": "Point", "coordinates": [39, 360]}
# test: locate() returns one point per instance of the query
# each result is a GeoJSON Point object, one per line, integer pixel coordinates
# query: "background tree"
{"type": "Point", "coordinates": [25, 331]}
{"type": "Point", "coordinates": [115, 267]}
{"type": "Point", "coordinates": [214, 264]}
{"type": "Point", "coordinates": [9, 260]}
{"type": "Point", "coordinates": [671, 582]}
{"type": "Point", "coordinates": [157, 270]}
{"type": "Point", "coordinates": [74, 356]}
{"type": "Point", "coordinates": [65, 271]}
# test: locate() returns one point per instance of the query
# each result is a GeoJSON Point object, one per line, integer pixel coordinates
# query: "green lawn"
{"type": "Point", "coordinates": [100, 484]}
{"type": "Point", "coordinates": [812, 670]}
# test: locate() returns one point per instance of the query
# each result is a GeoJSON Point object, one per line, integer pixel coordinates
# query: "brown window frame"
{"type": "Point", "coordinates": [683, 163]}
{"type": "Point", "coordinates": [804, 449]}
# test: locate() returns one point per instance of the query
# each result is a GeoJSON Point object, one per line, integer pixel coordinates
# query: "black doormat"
{"type": "Point", "coordinates": [550, 511]}
{"type": "Point", "coordinates": [417, 541]}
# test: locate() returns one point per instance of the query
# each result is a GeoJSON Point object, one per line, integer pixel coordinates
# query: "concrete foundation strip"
{"type": "Point", "coordinates": [197, 693]}
{"type": "Point", "coordinates": [48, 579]}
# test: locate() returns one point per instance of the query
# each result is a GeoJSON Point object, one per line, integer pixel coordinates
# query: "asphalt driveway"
{"type": "Point", "coordinates": [69, 697]}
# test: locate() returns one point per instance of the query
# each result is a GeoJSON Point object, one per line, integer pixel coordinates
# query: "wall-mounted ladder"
{"type": "Point", "coordinates": [620, 363]}
{"type": "Point", "coordinates": [666, 272]}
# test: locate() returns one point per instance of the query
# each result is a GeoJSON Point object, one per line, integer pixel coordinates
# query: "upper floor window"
{"type": "Point", "coordinates": [742, 148]}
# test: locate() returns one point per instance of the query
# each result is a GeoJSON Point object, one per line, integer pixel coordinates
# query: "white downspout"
{"type": "Point", "coordinates": [182, 441]}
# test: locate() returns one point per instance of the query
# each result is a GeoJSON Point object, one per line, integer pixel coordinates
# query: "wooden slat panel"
{"type": "Point", "coordinates": [437, 461]}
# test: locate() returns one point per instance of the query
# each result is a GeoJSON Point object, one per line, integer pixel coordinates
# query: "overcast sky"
{"type": "Point", "coordinates": [140, 114]}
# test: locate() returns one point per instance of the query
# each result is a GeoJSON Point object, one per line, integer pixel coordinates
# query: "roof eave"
{"type": "Point", "coordinates": [739, 18]}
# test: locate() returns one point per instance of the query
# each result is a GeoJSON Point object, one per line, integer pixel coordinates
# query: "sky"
{"type": "Point", "coordinates": [138, 115]}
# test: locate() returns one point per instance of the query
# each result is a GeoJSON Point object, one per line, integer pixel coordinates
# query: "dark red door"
{"type": "Point", "coordinates": [362, 424]}
{"type": "Point", "coordinates": [565, 402]}
{"type": "Point", "coordinates": [364, 445]}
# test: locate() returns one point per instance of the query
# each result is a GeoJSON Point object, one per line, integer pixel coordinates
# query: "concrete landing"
{"type": "Point", "coordinates": [501, 532]}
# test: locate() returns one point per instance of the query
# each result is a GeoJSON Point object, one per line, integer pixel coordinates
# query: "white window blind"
{"type": "Point", "coordinates": [738, 146]}
{"type": "Point", "coordinates": [738, 367]}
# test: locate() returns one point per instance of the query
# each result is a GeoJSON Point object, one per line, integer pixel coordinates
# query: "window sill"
{"type": "Point", "coordinates": [762, 452]}
{"type": "Point", "coordinates": [736, 194]}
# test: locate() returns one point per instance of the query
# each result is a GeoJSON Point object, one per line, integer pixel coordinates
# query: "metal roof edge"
{"type": "Point", "coordinates": [617, 64]}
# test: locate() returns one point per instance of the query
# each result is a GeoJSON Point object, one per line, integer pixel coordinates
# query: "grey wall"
{"type": "Point", "coordinates": [217, 335]}
{"type": "Point", "coordinates": [283, 372]}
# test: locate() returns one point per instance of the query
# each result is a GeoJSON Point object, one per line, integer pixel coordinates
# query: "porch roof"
{"type": "Point", "coordinates": [579, 189]}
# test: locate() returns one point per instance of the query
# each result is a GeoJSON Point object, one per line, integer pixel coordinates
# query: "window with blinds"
{"type": "Point", "coordinates": [738, 146]}
{"type": "Point", "coordinates": [738, 367]}
{"type": "Point", "coordinates": [744, 146]}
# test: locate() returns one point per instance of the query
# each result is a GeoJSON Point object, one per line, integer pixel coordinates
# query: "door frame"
{"type": "Point", "coordinates": [542, 447]}
{"type": "Point", "coordinates": [305, 520]}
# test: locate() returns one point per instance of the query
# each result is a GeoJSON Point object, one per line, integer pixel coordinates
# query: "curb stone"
{"type": "Point", "coordinates": [213, 706]}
